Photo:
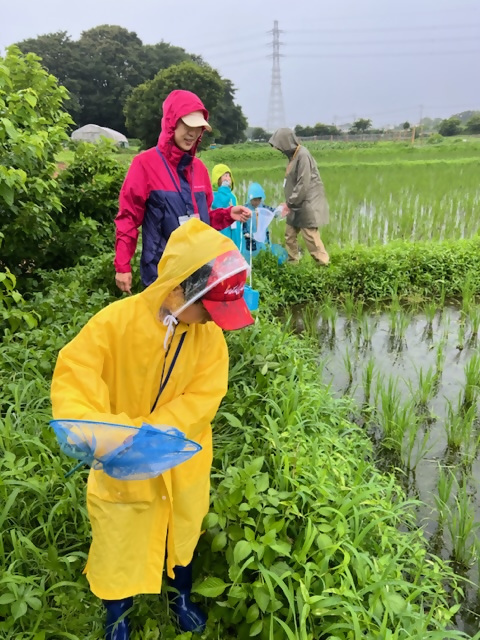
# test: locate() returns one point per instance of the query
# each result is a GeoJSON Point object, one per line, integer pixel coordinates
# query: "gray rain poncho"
{"type": "Point", "coordinates": [304, 191]}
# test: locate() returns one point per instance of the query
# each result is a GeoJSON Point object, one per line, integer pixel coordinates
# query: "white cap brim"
{"type": "Point", "coordinates": [196, 119]}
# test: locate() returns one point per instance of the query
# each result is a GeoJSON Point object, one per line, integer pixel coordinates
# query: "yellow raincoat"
{"type": "Point", "coordinates": [111, 372]}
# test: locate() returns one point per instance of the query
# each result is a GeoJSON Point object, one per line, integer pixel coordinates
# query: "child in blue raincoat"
{"type": "Point", "coordinates": [223, 185]}
{"type": "Point", "coordinates": [255, 198]}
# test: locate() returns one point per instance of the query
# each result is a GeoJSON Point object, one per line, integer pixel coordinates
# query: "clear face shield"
{"type": "Point", "coordinates": [219, 284]}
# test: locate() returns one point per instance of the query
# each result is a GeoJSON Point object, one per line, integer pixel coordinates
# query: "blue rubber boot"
{"type": "Point", "coordinates": [189, 616]}
{"type": "Point", "coordinates": [118, 629]}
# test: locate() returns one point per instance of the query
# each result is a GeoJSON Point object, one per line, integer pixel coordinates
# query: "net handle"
{"type": "Point", "coordinates": [251, 241]}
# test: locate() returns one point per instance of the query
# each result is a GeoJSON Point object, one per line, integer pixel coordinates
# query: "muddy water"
{"type": "Point", "coordinates": [400, 358]}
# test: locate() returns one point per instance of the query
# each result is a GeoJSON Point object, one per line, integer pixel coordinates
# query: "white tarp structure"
{"type": "Point", "coordinates": [93, 133]}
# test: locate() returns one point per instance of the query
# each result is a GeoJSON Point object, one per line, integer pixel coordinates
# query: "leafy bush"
{"type": "Point", "coordinates": [12, 306]}
{"type": "Point", "coordinates": [91, 182]}
{"type": "Point", "coordinates": [89, 195]}
{"type": "Point", "coordinates": [429, 270]}
{"type": "Point", "coordinates": [435, 138]}
{"type": "Point", "coordinates": [49, 220]}
{"type": "Point", "coordinates": [32, 129]}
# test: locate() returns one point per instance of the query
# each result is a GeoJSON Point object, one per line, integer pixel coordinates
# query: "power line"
{"type": "Point", "coordinates": [438, 12]}
{"type": "Point", "coordinates": [384, 29]}
{"type": "Point", "coordinates": [348, 56]}
{"type": "Point", "coordinates": [260, 50]}
{"type": "Point", "coordinates": [259, 36]}
{"type": "Point", "coordinates": [375, 42]}
{"type": "Point", "coordinates": [234, 52]}
{"type": "Point", "coordinates": [382, 54]}
{"type": "Point", "coordinates": [240, 63]}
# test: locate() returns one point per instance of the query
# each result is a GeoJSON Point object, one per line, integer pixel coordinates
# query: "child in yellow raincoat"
{"type": "Point", "coordinates": [157, 358]}
{"type": "Point", "coordinates": [223, 185]}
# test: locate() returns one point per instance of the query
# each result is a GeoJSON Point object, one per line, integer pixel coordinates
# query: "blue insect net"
{"type": "Point", "coordinates": [121, 451]}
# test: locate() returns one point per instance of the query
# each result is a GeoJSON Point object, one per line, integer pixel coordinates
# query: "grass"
{"type": "Point", "coordinates": [462, 527]}
{"type": "Point", "coordinates": [318, 543]}
{"type": "Point", "coordinates": [459, 423]}
{"type": "Point", "coordinates": [411, 272]}
{"type": "Point", "coordinates": [313, 532]}
{"type": "Point", "coordinates": [425, 388]}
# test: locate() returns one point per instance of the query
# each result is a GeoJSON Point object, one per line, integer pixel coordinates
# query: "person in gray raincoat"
{"type": "Point", "coordinates": [306, 205]}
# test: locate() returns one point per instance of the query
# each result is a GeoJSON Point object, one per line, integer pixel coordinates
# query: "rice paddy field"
{"type": "Point", "coordinates": [378, 193]}
{"type": "Point", "coordinates": [414, 375]}
{"type": "Point", "coordinates": [411, 367]}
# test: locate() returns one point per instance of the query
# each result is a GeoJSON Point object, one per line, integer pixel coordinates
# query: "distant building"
{"type": "Point", "coordinates": [93, 133]}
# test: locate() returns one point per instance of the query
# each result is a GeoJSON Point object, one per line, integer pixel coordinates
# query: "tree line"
{"type": "Point", "coordinates": [467, 122]}
{"type": "Point", "coordinates": [362, 125]}
{"type": "Point", "coordinates": [116, 81]}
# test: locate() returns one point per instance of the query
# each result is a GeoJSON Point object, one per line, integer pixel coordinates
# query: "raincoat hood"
{"type": "Point", "coordinates": [177, 104]}
{"type": "Point", "coordinates": [255, 190]}
{"type": "Point", "coordinates": [217, 172]}
{"type": "Point", "coordinates": [285, 141]}
{"type": "Point", "coordinates": [191, 246]}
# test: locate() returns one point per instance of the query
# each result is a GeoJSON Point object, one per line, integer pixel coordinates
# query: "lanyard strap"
{"type": "Point", "coordinates": [178, 186]}
{"type": "Point", "coordinates": [164, 382]}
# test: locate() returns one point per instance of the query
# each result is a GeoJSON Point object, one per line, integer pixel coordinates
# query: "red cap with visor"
{"type": "Point", "coordinates": [226, 305]}
{"type": "Point", "coordinates": [220, 285]}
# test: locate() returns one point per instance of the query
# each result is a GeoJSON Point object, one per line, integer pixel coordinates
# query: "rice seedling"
{"type": "Point", "coordinates": [349, 306]}
{"type": "Point", "coordinates": [394, 417]}
{"type": "Point", "coordinates": [446, 329]}
{"type": "Point", "coordinates": [425, 387]}
{"type": "Point", "coordinates": [367, 328]}
{"type": "Point", "coordinates": [459, 423]}
{"type": "Point", "coordinates": [445, 483]}
{"type": "Point", "coordinates": [439, 202]}
{"type": "Point", "coordinates": [472, 379]}
{"type": "Point", "coordinates": [462, 526]}
{"type": "Point", "coordinates": [348, 362]}
{"type": "Point", "coordinates": [440, 356]}
{"type": "Point", "coordinates": [468, 296]}
{"type": "Point", "coordinates": [399, 323]}
{"type": "Point", "coordinates": [310, 321]}
{"type": "Point", "coordinates": [474, 320]}
{"type": "Point", "coordinates": [477, 550]}
{"type": "Point", "coordinates": [329, 316]}
{"type": "Point", "coordinates": [394, 309]}
{"type": "Point", "coordinates": [414, 449]}
{"type": "Point", "coordinates": [367, 378]}
{"type": "Point", "coordinates": [359, 311]}
{"type": "Point", "coordinates": [403, 323]}
{"type": "Point", "coordinates": [430, 309]}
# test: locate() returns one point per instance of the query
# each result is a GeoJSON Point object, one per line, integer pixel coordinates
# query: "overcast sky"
{"type": "Point", "coordinates": [388, 60]}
